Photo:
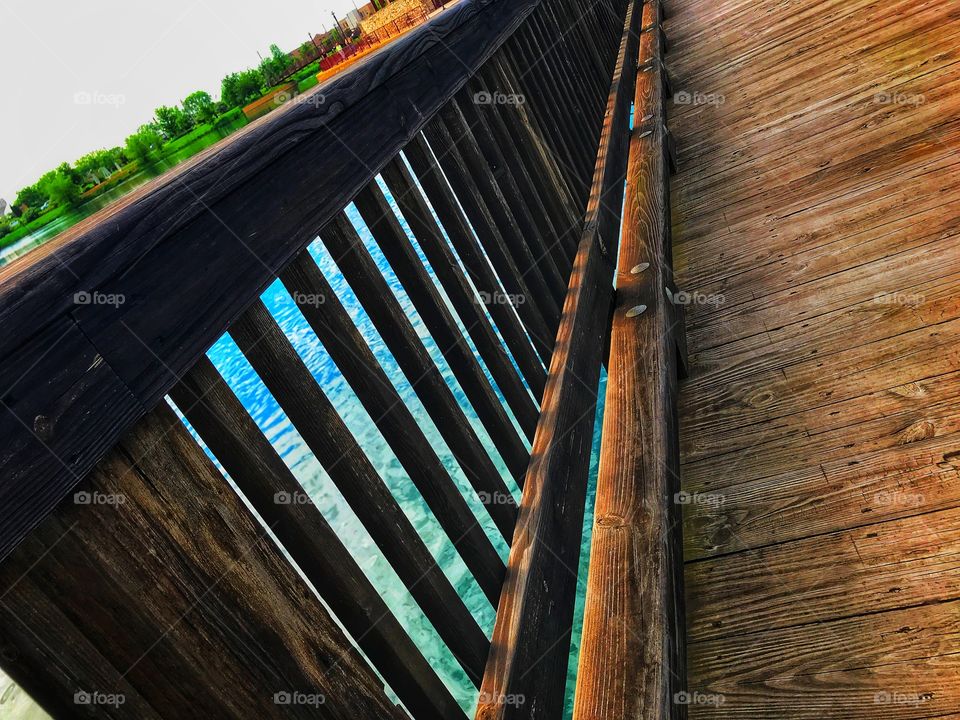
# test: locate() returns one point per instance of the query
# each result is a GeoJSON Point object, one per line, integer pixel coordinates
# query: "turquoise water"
{"type": "Point", "coordinates": [277, 428]}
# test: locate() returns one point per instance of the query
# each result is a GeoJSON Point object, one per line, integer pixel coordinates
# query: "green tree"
{"type": "Point", "coordinates": [61, 186]}
{"type": "Point", "coordinates": [238, 89]}
{"type": "Point", "coordinates": [275, 67]}
{"type": "Point", "coordinates": [143, 143]}
{"type": "Point", "coordinates": [199, 107]}
{"type": "Point", "coordinates": [172, 121]}
{"type": "Point", "coordinates": [32, 196]}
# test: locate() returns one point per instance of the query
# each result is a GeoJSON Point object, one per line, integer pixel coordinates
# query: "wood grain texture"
{"type": "Point", "coordinates": [469, 306]}
{"type": "Point", "coordinates": [526, 672]}
{"type": "Point", "coordinates": [180, 594]}
{"type": "Point", "coordinates": [206, 236]}
{"type": "Point", "coordinates": [631, 656]}
{"type": "Point", "coordinates": [482, 275]}
{"type": "Point", "coordinates": [270, 486]}
{"type": "Point", "coordinates": [432, 308]}
{"type": "Point", "coordinates": [815, 223]}
{"type": "Point", "coordinates": [418, 367]}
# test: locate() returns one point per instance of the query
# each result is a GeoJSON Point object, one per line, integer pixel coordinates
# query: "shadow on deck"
{"type": "Point", "coordinates": [815, 226]}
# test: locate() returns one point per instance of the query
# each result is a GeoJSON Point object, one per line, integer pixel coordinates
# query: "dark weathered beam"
{"type": "Point", "coordinates": [436, 316]}
{"type": "Point", "coordinates": [499, 303]}
{"type": "Point", "coordinates": [526, 672]}
{"type": "Point", "coordinates": [254, 465]}
{"type": "Point", "coordinates": [467, 303]}
{"type": "Point", "coordinates": [632, 648]}
{"type": "Point", "coordinates": [162, 579]}
{"type": "Point", "coordinates": [418, 367]}
{"type": "Point", "coordinates": [532, 301]}
{"type": "Point", "coordinates": [210, 235]}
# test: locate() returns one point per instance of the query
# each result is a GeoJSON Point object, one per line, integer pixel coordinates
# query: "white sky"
{"type": "Point", "coordinates": [129, 56]}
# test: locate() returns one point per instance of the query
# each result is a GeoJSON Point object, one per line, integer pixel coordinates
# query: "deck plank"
{"type": "Point", "coordinates": [815, 226]}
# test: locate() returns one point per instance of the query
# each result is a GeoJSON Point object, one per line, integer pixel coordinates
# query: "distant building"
{"type": "Point", "coordinates": [352, 19]}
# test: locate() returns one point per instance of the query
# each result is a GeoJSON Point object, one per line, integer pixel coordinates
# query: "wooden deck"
{"type": "Point", "coordinates": [816, 221]}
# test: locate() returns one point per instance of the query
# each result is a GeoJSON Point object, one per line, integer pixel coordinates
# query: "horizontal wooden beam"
{"type": "Point", "coordinates": [99, 323]}
{"type": "Point", "coordinates": [632, 646]}
{"type": "Point", "coordinates": [526, 672]}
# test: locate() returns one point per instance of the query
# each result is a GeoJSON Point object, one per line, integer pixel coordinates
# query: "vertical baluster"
{"type": "Point", "coordinates": [540, 313]}
{"type": "Point", "coordinates": [396, 247]}
{"type": "Point", "coordinates": [541, 274]}
{"type": "Point", "coordinates": [518, 189]}
{"type": "Point", "coordinates": [501, 306]}
{"type": "Point", "coordinates": [468, 306]}
{"type": "Point", "coordinates": [388, 317]}
{"type": "Point", "coordinates": [266, 481]}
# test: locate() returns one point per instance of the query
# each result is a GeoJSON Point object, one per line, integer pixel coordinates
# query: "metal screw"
{"type": "Point", "coordinates": [638, 310]}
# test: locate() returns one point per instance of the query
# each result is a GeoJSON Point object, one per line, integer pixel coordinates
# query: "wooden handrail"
{"type": "Point", "coordinates": [526, 671]}
{"type": "Point", "coordinates": [100, 323]}
{"type": "Point", "coordinates": [633, 643]}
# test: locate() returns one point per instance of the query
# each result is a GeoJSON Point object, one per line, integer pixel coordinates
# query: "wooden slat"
{"type": "Point", "coordinates": [531, 638]}
{"type": "Point", "coordinates": [910, 561]}
{"type": "Point", "coordinates": [265, 480]}
{"type": "Point", "coordinates": [275, 360]}
{"type": "Point", "coordinates": [183, 595]}
{"type": "Point", "coordinates": [420, 370]}
{"type": "Point", "coordinates": [518, 191]}
{"type": "Point", "coordinates": [631, 658]}
{"type": "Point", "coordinates": [540, 273]}
{"type": "Point", "coordinates": [500, 307]}
{"type": "Point", "coordinates": [468, 305]}
{"type": "Point", "coordinates": [206, 236]}
{"type": "Point", "coordinates": [436, 316]}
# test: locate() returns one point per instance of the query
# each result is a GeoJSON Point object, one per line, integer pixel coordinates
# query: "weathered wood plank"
{"type": "Point", "coordinates": [631, 656]}
{"type": "Point", "coordinates": [468, 304]}
{"type": "Point", "coordinates": [526, 672]}
{"type": "Point", "coordinates": [436, 316]}
{"type": "Point", "coordinates": [904, 562]}
{"type": "Point", "coordinates": [184, 596]}
{"type": "Point", "coordinates": [265, 480]}
{"type": "Point", "coordinates": [500, 304]}
{"type": "Point", "coordinates": [206, 236]}
{"type": "Point", "coordinates": [418, 367]}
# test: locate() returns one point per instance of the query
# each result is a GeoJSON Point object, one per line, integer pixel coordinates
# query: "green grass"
{"type": "Point", "coordinates": [307, 83]}
{"type": "Point", "coordinates": [32, 226]}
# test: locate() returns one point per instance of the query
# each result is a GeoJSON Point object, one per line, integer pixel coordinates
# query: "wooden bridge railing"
{"type": "Point", "coordinates": [502, 132]}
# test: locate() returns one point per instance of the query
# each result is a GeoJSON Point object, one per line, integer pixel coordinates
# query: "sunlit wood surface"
{"type": "Point", "coordinates": [816, 216]}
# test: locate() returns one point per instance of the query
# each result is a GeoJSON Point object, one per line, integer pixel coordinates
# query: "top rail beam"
{"type": "Point", "coordinates": [526, 669]}
{"type": "Point", "coordinates": [100, 323]}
